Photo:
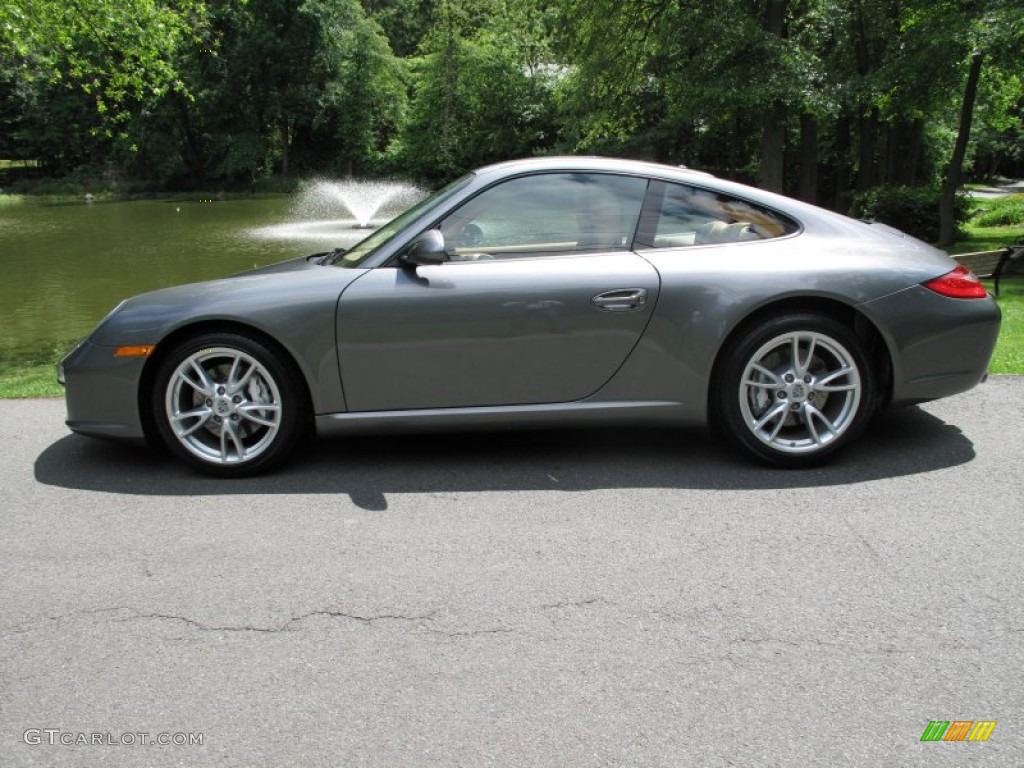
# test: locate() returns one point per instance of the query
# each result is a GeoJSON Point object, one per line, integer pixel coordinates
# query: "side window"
{"type": "Point", "coordinates": [546, 214]}
{"type": "Point", "coordinates": [680, 215]}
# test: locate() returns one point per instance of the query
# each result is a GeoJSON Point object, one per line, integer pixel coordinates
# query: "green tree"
{"type": "Point", "coordinates": [705, 83]}
{"type": "Point", "coordinates": [365, 101]}
{"type": "Point", "coordinates": [288, 86]}
{"type": "Point", "coordinates": [405, 22]}
{"type": "Point", "coordinates": [816, 97]}
{"type": "Point", "coordinates": [116, 51]}
{"type": "Point", "coordinates": [481, 89]}
{"type": "Point", "coordinates": [995, 33]}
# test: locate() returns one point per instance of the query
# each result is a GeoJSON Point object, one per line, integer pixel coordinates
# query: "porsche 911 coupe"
{"type": "Point", "coordinates": [562, 290]}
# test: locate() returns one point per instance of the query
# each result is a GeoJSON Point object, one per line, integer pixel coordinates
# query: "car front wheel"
{"type": "Point", "coordinates": [226, 404]}
{"type": "Point", "coordinates": [794, 390]}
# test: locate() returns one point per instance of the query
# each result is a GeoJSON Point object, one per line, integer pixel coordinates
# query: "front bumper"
{"type": "Point", "coordinates": [102, 392]}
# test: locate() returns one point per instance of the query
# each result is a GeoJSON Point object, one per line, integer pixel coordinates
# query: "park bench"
{"type": "Point", "coordinates": [992, 264]}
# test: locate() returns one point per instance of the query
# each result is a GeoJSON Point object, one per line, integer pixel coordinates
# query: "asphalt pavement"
{"type": "Point", "coordinates": [619, 597]}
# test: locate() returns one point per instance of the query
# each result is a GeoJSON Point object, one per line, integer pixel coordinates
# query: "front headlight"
{"type": "Point", "coordinates": [61, 378]}
{"type": "Point", "coordinates": [106, 317]}
{"type": "Point", "coordinates": [60, 365]}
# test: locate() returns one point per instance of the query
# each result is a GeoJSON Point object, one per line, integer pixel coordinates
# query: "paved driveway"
{"type": "Point", "coordinates": [617, 597]}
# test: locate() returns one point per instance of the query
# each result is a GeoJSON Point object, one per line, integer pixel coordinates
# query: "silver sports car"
{"type": "Point", "coordinates": [548, 291]}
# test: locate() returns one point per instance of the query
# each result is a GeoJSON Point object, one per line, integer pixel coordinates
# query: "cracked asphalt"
{"type": "Point", "coordinates": [621, 597]}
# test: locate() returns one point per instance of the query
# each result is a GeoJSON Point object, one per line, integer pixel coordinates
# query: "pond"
{"type": "Point", "coordinates": [65, 267]}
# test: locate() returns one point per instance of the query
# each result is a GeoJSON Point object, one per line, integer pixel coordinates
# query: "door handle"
{"type": "Point", "coordinates": [621, 300]}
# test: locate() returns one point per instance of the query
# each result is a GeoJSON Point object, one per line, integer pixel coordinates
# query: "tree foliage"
{"type": "Point", "coordinates": [822, 99]}
{"type": "Point", "coordinates": [816, 97]}
{"type": "Point", "coordinates": [117, 51]}
{"type": "Point", "coordinates": [481, 90]}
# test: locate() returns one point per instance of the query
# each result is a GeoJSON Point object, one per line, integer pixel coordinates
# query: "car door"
{"type": "Point", "coordinates": [541, 301]}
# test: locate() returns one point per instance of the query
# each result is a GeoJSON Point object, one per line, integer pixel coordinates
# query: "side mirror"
{"type": "Point", "coordinates": [425, 250]}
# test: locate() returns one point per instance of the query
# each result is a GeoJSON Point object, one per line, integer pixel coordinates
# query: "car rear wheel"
{"type": "Point", "coordinates": [228, 405]}
{"type": "Point", "coordinates": [794, 390]}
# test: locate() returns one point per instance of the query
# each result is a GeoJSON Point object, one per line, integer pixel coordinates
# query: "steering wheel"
{"type": "Point", "coordinates": [471, 235]}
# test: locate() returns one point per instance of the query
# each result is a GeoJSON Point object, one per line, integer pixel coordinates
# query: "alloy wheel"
{"type": "Point", "coordinates": [223, 406]}
{"type": "Point", "coordinates": [800, 392]}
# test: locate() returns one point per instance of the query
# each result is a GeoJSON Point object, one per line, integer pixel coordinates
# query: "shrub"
{"type": "Point", "coordinates": [275, 185]}
{"type": "Point", "coordinates": [1001, 212]}
{"type": "Point", "coordinates": [914, 210]}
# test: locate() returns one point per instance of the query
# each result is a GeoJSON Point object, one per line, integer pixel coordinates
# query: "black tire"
{"type": "Point", "coordinates": [793, 390]}
{"type": "Point", "coordinates": [228, 404]}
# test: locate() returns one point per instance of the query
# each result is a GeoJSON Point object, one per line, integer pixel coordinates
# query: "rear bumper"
{"type": "Point", "coordinates": [939, 346]}
{"type": "Point", "coordinates": [102, 393]}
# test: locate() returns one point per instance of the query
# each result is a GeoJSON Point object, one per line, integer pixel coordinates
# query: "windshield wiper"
{"type": "Point", "coordinates": [327, 258]}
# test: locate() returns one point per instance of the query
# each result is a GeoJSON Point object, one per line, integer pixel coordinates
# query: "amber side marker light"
{"type": "Point", "coordinates": [961, 283]}
{"type": "Point", "coordinates": [142, 350]}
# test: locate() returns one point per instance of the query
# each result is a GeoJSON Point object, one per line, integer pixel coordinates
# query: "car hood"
{"type": "Point", "coordinates": [259, 297]}
{"type": "Point", "coordinates": [301, 263]}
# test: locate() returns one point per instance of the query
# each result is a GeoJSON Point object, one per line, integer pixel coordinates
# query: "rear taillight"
{"type": "Point", "coordinates": [961, 283]}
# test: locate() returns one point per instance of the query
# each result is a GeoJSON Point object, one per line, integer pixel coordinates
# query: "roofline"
{"type": "Point", "coordinates": [571, 162]}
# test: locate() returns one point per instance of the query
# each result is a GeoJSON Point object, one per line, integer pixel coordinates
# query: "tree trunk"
{"type": "Point", "coordinates": [903, 152]}
{"type": "Point", "coordinates": [842, 173]}
{"type": "Point", "coordinates": [894, 157]}
{"type": "Point", "coordinates": [773, 143]}
{"type": "Point", "coordinates": [286, 143]}
{"type": "Point", "coordinates": [192, 147]}
{"type": "Point", "coordinates": [867, 130]}
{"type": "Point", "coordinates": [773, 126]}
{"type": "Point", "coordinates": [912, 157]}
{"type": "Point", "coordinates": [947, 215]}
{"type": "Point", "coordinates": [808, 188]}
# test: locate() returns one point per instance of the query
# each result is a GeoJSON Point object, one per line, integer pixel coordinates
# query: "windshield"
{"type": "Point", "coordinates": [358, 253]}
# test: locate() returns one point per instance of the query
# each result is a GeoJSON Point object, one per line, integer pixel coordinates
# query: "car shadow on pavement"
{"type": "Point", "coordinates": [367, 469]}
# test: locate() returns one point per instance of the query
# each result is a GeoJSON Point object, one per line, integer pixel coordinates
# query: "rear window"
{"type": "Point", "coordinates": [679, 216]}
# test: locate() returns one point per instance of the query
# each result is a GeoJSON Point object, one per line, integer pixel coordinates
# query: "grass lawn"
{"type": "Point", "coordinates": [986, 239]}
{"type": "Point", "coordinates": [1009, 355]}
{"type": "Point", "coordinates": [33, 374]}
{"type": "Point", "coordinates": [29, 380]}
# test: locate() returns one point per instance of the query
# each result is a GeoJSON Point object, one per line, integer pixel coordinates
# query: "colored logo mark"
{"type": "Point", "coordinates": [958, 730]}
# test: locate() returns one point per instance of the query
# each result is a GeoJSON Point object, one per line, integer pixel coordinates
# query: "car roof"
{"type": "Point", "coordinates": [593, 163]}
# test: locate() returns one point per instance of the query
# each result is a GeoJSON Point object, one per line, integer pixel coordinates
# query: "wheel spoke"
{"type": "Point", "coordinates": [777, 428]}
{"type": "Point", "coordinates": [201, 414]}
{"type": "Point", "coordinates": [801, 367]}
{"type": "Point", "coordinates": [234, 384]}
{"type": "Point", "coordinates": [203, 377]}
{"type": "Point", "coordinates": [809, 423]}
{"type": "Point", "coordinates": [819, 414]}
{"type": "Point", "coordinates": [203, 386]}
{"type": "Point", "coordinates": [254, 412]}
{"type": "Point", "coordinates": [226, 433]}
{"type": "Point", "coordinates": [824, 384]}
{"type": "Point", "coordinates": [810, 414]}
{"type": "Point", "coordinates": [232, 373]}
{"type": "Point", "coordinates": [773, 381]}
{"type": "Point", "coordinates": [778, 410]}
